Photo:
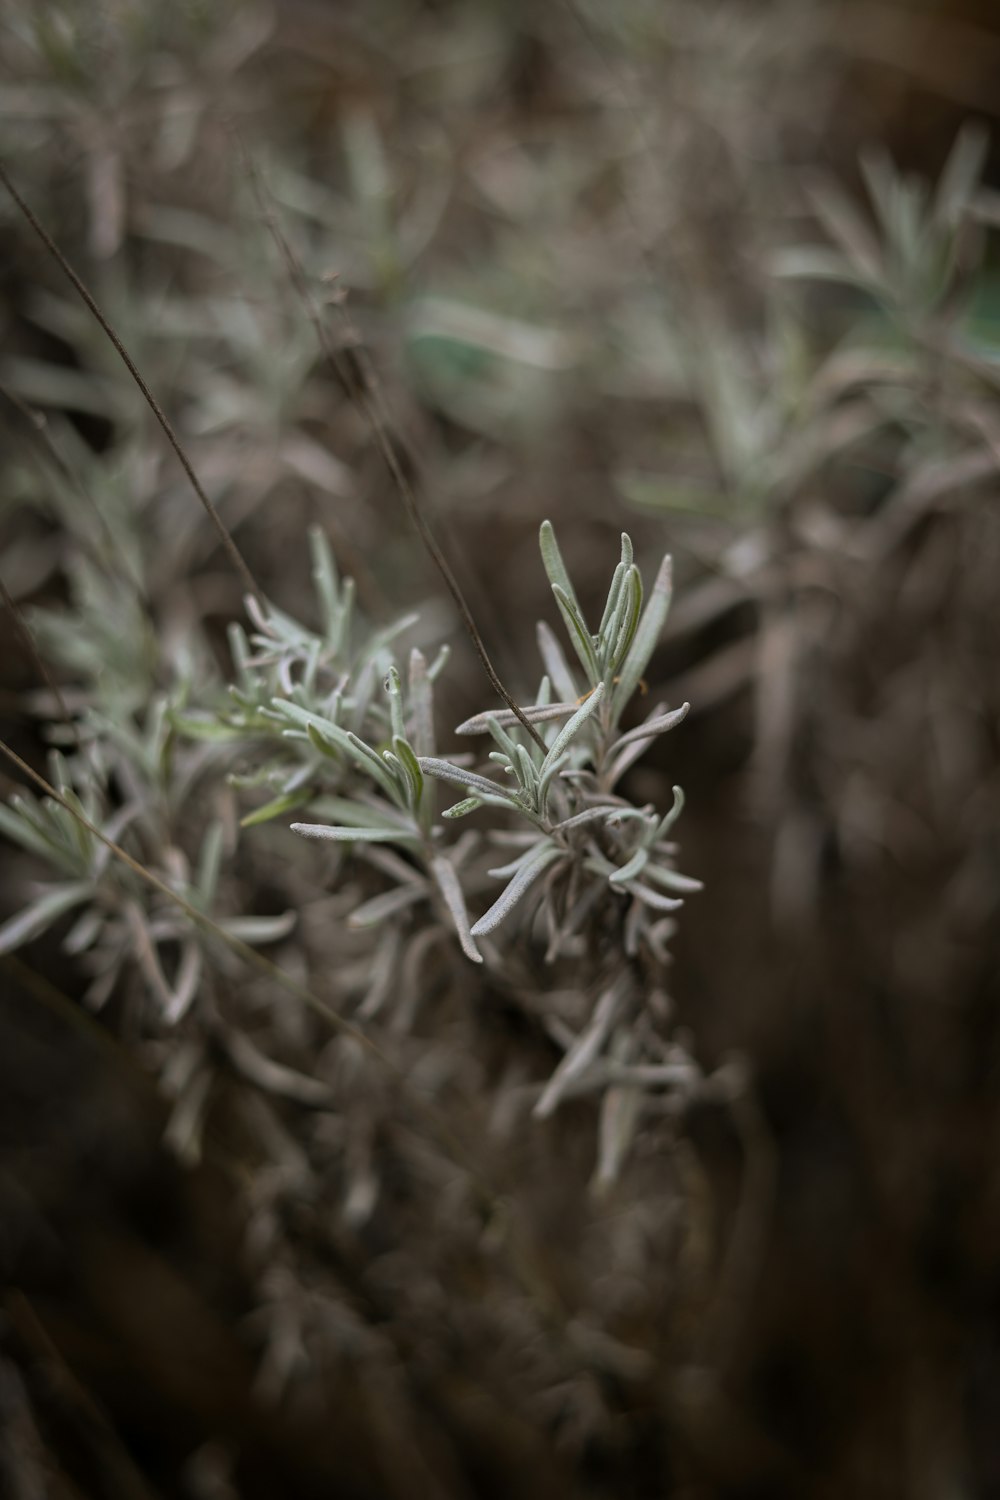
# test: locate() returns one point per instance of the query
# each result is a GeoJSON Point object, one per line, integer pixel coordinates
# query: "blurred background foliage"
{"type": "Point", "coordinates": [721, 274]}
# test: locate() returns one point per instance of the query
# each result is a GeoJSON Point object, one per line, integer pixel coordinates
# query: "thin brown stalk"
{"type": "Point", "coordinates": [229, 546]}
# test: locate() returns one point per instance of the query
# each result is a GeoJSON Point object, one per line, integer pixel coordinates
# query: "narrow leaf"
{"type": "Point", "coordinates": [579, 636]}
{"type": "Point", "coordinates": [651, 728]}
{"type": "Point", "coordinates": [646, 637]}
{"type": "Point", "coordinates": [556, 664]}
{"type": "Point", "coordinates": [521, 883]}
{"type": "Point", "coordinates": [537, 713]}
{"type": "Point", "coordinates": [421, 704]}
{"type": "Point", "coordinates": [454, 899]}
{"type": "Point", "coordinates": [274, 809]}
{"type": "Point", "coordinates": [570, 730]}
{"type": "Point", "coordinates": [463, 808]}
{"type": "Point", "coordinates": [653, 898]}
{"type": "Point", "coordinates": [387, 904]}
{"type": "Point", "coordinates": [356, 835]}
{"type": "Point", "coordinates": [475, 783]}
{"type": "Point", "coordinates": [634, 867]}
{"type": "Point", "coordinates": [554, 566]}
{"type": "Point", "coordinates": [582, 1053]}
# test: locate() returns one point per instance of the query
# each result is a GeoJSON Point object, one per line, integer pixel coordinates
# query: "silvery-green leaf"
{"type": "Point", "coordinates": [386, 904]}
{"type": "Point", "coordinates": [325, 580]}
{"type": "Point", "coordinates": [672, 881]}
{"type": "Point", "coordinates": [614, 594]}
{"type": "Point", "coordinates": [652, 898]}
{"type": "Point", "coordinates": [239, 650]}
{"type": "Point", "coordinates": [356, 835]}
{"type": "Point", "coordinates": [421, 704]}
{"type": "Point", "coordinates": [579, 636]}
{"type": "Point", "coordinates": [846, 226]}
{"type": "Point", "coordinates": [570, 730]}
{"type": "Point", "coordinates": [537, 713]}
{"type": "Point", "coordinates": [631, 611]}
{"type": "Point", "coordinates": [394, 689]}
{"type": "Point", "coordinates": [620, 1112]}
{"type": "Point", "coordinates": [256, 930]}
{"type": "Point", "coordinates": [463, 808]}
{"type": "Point", "coordinates": [209, 863]}
{"type": "Point", "coordinates": [41, 913]}
{"type": "Point", "coordinates": [23, 831]}
{"type": "Point", "coordinates": [384, 637]}
{"type": "Point", "coordinates": [454, 899]}
{"type": "Point", "coordinates": [507, 745]}
{"type": "Point", "coordinates": [275, 808]}
{"type": "Point", "coordinates": [646, 637]}
{"type": "Point", "coordinates": [646, 732]}
{"type": "Point", "coordinates": [369, 761]}
{"type": "Point", "coordinates": [437, 666]}
{"type": "Point", "coordinates": [411, 770]}
{"type": "Point", "coordinates": [504, 872]}
{"type": "Point", "coordinates": [554, 565]}
{"type": "Point", "coordinates": [185, 985]}
{"type": "Point", "coordinates": [526, 772]}
{"type": "Point", "coordinates": [668, 821]}
{"type": "Point", "coordinates": [274, 1077]}
{"type": "Point", "coordinates": [634, 867]}
{"type": "Point", "coordinates": [556, 664]}
{"type": "Point", "coordinates": [589, 815]}
{"type": "Point", "coordinates": [961, 175]}
{"type": "Point", "coordinates": [582, 1053]}
{"type": "Point", "coordinates": [521, 883]}
{"type": "Point", "coordinates": [525, 878]}
{"type": "Point", "coordinates": [362, 814]}
{"type": "Point", "coordinates": [479, 784]}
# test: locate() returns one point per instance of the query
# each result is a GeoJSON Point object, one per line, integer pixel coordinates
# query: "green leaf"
{"type": "Point", "coordinates": [463, 808]}
{"type": "Point", "coordinates": [209, 861]}
{"type": "Point", "coordinates": [275, 808]}
{"type": "Point", "coordinates": [646, 637]}
{"type": "Point", "coordinates": [554, 566]}
{"type": "Point", "coordinates": [207, 728]}
{"type": "Point", "coordinates": [630, 619]}
{"type": "Point", "coordinates": [376, 767]}
{"type": "Point", "coordinates": [395, 692]}
{"type": "Point", "coordinates": [579, 636]}
{"type": "Point", "coordinates": [411, 771]}
{"type": "Point", "coordinates": [614, 592]}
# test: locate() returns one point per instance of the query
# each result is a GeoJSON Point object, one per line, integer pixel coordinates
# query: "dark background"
{"type": "Point", "coordinates": [585, 177]}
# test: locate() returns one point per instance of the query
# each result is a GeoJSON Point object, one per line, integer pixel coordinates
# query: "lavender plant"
{"type": "Point", "coordinates": [333, 726]}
